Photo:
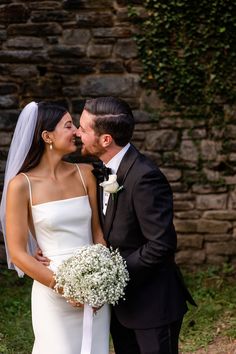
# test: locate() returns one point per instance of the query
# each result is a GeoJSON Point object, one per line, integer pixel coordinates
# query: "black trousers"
{"type": "Point", "coordinates": [160, 340]}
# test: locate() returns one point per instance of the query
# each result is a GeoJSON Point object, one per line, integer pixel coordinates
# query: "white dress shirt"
{"type": "Point", "coordinates": [113, 164]}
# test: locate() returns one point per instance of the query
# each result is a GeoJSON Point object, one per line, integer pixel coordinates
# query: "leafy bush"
{"type": "Point", "coordinates": [188, 52]}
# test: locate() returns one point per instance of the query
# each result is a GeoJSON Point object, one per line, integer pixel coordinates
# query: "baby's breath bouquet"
{"type": "Point", "coordinates": [94, 275]}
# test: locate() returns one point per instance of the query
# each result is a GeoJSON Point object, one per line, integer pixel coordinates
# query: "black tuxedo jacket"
{"type": "Point", "coordinates": [139, 221]}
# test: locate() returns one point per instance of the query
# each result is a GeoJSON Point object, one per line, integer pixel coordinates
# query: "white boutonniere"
{"type": "Point", "coordinates": [111, 185]}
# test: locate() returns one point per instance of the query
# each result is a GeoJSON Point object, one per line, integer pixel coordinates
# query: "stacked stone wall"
{"type": "Point", "coordinates": [67, 51]}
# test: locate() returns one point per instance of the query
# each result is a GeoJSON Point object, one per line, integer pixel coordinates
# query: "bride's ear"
{"type": "Point", "coordinates": [46, 137]}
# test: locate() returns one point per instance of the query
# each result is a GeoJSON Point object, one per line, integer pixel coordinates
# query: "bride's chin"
{"type": "Point", "coordinates": [70, 151]}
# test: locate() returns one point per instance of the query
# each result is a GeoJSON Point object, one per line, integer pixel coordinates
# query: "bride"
{"type": "Point", "coordinates": [54, 203]}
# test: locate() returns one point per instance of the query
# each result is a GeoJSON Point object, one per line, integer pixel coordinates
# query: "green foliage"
{"type": "Point", "coordinates": [15, 326]}
{"type": "Point", "coordinates": [188, 52]}
{"type": "Point", "coordinates": [213, 290]}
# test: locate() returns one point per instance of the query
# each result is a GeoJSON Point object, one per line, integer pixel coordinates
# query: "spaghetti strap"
{"type": "Point", "coordinates": [30, 192]}
{"type": "Point", "coordinates": [85, 188]}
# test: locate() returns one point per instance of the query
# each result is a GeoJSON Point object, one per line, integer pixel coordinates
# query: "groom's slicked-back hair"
{"type": "Point", "coordinates": [112, 116]}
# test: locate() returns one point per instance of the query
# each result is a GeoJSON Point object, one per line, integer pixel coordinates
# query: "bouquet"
{"type": "Point", "coordinates": [94, 275]}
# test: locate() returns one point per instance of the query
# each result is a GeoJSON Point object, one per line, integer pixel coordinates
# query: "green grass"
{"type": "Point", "coordinates": [16, 335]}
{"type": "Point", "coordinates": [213, 289]}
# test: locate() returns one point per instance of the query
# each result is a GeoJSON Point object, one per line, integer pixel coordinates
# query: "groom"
{"type": "Point", "coordinates": [138, 220]}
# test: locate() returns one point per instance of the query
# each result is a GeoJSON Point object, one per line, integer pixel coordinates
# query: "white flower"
{"type": "Point", "coordinates": [111, 185]}
{"type": "Point", "coordinates": [94, 275]}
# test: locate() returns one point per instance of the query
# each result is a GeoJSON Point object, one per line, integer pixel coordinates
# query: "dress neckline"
{"type": "Point", "coordinates": [59, 201]}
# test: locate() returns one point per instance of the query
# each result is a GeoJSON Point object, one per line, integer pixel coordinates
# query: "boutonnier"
{"type": "Point", "coordinates": [111, 185]}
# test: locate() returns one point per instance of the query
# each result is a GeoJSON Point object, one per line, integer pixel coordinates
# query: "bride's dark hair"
{"type": "Point", "coordinates": [49, 115]}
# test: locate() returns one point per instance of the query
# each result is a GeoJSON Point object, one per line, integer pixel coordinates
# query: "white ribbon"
{"type": "Point", "coordinates": [87, 330]}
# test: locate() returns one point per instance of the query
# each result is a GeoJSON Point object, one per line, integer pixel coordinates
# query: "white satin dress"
{"type": "Point", "coordinates": [61, 227]}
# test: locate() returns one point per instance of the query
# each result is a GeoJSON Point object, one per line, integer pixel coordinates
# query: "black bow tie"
{"type": "Point", "coordinates": [100, 171]}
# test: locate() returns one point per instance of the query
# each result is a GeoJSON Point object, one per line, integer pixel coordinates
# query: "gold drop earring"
{"type": "Point", "coordinates": [50, 145]}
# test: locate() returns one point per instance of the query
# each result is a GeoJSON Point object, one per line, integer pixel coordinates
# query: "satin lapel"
{"type": "Point", "coordinates": [122, 172]}
{"type": "Point", "coordinates": [100, 204]}
{"type": "Point", "coordinates": [109, 217]}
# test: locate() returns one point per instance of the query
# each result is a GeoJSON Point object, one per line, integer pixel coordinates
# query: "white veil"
{"type": "Point", "coordinates": [20, 146]}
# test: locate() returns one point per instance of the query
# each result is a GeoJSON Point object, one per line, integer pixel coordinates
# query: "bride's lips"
{"type": "Point", "coordinates": [77, 141]}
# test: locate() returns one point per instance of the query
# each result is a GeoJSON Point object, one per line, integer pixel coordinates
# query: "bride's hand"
{"type": "Point", "coordinates": [40, 258]}
{"type": "Point", "coordinates": [79, 305]}
{"type": "Point", "coordinates": [75, 303]}
{"type": "Point", "coordinates": [96, 309]}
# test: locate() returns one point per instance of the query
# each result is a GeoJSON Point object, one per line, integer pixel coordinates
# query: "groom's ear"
{"type": "Point", "coordinates": [106, 140]}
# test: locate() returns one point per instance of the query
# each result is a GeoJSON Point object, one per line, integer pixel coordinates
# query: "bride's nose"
{"type": "Point", "coordinates": [74, 129]}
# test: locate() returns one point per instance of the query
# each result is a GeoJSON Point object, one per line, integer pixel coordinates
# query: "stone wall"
{"type": "Point", "coordinates": [67, 51]}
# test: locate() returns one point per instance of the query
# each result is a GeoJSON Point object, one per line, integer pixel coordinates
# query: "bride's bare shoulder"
{"type": "Point", "coordinates": [18, 184]}
{"type": "Point", "coordinates": [85, 167]}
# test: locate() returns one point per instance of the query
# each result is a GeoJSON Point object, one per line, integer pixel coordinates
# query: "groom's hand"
{"type": "Point", "coordinates": [40, 258]}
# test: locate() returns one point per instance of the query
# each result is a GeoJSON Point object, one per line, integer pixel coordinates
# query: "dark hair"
{"type": "Point", "coordinates": [112, 116]}
{"type": "Point", "coordinates": [49, 115]}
